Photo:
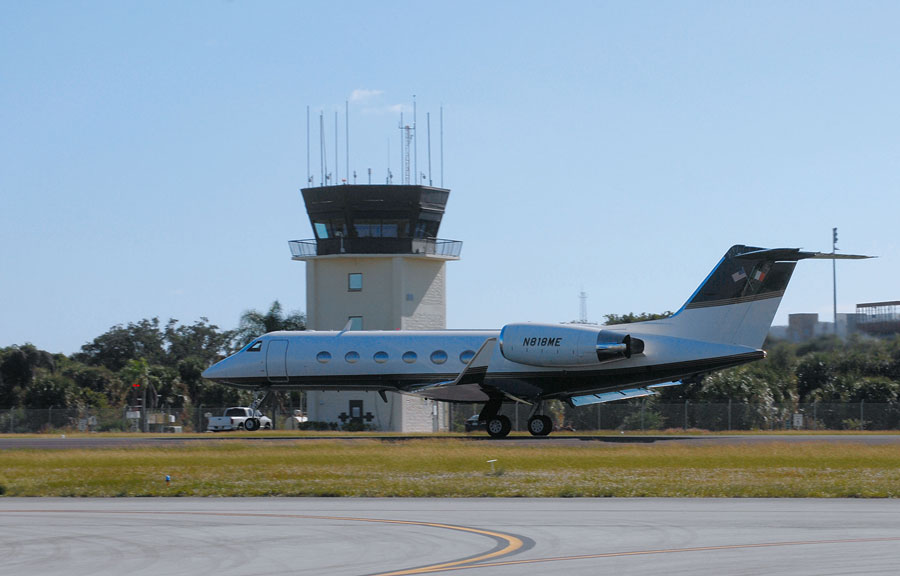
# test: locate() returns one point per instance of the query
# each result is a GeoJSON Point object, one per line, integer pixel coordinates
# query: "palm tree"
{"type": "Point", "coordinates": [255, 323]}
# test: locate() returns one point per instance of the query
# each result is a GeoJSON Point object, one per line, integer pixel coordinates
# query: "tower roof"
{"type": "Point", "coordinates": [375, 219]}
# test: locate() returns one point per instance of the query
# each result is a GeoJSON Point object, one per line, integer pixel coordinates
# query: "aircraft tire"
{"type": "Point", "coordinates": [251, 424]}
{"type": "Point", "coordinates": [548, 425]}
{"type": "Point", "coordinates": [499, 426]}
{"type": "Point", "coordinates": [540, 425]}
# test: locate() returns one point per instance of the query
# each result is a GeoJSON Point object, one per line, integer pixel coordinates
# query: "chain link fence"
{"type": "Point", "coordinates": [647, 414]}
{"type": "Point", "coordinates": [641, 414]}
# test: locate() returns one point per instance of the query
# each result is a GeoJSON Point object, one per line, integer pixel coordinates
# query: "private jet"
{"type": "Point", "coordinates": [722, 324]}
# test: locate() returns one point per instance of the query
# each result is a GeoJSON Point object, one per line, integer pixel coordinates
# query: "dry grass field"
{"type": "Point", "coordinates": [456, 468]}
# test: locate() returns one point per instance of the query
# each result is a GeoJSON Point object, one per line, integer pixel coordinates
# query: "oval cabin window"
{"type": "Point", "coordinates": [352, 357]}
{"type": "Point", "coordinates": [323, 357]}
{"type": "Point", "coordinates": [466, 356]}
{"type": "Point", "coordinates": [409, 357]}
{"type": "Point", "coordinates": [381, 357]}
{"type": "Point", "coordinates": [438, 356]}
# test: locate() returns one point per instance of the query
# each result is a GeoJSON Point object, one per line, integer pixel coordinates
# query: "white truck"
{"type": "Point", "coordinates": [239, 418]}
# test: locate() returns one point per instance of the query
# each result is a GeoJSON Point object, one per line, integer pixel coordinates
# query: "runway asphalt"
{"type": "Point", "coordinates": [13, 442]}
{"type": "Point", "coordinates": [225, 537]}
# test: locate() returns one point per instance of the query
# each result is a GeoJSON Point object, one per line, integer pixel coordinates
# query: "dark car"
{"type": "Point", "coordinates": [473, 424]}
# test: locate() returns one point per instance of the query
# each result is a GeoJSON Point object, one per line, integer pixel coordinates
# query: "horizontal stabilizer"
{"type": "Point", "coordinates": [795, 254]}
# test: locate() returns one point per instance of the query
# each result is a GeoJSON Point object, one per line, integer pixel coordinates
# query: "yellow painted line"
{"type": "Point", "coordinates": [512, 543]}
{"type": "Point", "coordinates": [664, 551]}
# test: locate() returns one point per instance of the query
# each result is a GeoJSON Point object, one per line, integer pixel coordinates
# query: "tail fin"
{"type": "Point", "coordinates": [738, 300]}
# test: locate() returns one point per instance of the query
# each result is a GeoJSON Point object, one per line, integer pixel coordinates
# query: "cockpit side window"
{"type": "Point", "coordinates": [255, 347]}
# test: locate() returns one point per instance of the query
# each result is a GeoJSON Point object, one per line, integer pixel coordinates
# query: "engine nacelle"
{"type": "Point", "coordinates": [564, 345]}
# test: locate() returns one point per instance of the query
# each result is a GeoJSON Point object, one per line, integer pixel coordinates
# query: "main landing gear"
{"type": "Point", "coordinates": [498, 425]}
{"type": "Point", "coordinates": [251, 424]}
{"type": "Point", "coordinates": [540, 425]}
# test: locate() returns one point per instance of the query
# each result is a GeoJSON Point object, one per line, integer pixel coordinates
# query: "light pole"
{"type": "Point", "coordinates": [834, 274]}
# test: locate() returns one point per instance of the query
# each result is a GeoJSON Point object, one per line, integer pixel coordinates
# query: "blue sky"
{"type": "Point", "coordinates": [153, 152]}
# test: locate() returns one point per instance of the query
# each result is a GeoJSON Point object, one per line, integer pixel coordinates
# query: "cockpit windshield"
{"type": "Point", "coordinates": [255, 346]}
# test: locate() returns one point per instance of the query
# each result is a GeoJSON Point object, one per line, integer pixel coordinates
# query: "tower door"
{"type": "Point", "coordinates": [356, 410]}
{"type": "Point", "coordinates": [276, 361]}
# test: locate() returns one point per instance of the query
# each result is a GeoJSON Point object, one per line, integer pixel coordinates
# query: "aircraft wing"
{"type": "Point", "coordinates": [605, 397]}
{"type": "Point", "coordinates": [468, 385]}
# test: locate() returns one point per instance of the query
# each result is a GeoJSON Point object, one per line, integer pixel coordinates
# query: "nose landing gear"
{"type": "Point", "coordinates": [251, 424]}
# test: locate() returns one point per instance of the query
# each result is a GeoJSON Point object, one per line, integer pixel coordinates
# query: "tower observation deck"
{"type": "Point", "coordinates": [375, 219]}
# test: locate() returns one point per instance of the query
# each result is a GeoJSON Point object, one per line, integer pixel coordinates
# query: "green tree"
{"type": "Point", "coordinates": [50, 390]}
{"type": "Point", "coordinates": [254, 323]}
{"type": "Point", "coordinates": [631, 317]}
{"type": "Point", "coordinates": [200, 340]}
{"type": "Point", "coordinates": [816, 379]}
{"type": "Point", "coordinates": [94, 382]}
{"type": "Point", "coordinates": [18, 367]}
{"type": "Point", "coordinates": [121, 344]}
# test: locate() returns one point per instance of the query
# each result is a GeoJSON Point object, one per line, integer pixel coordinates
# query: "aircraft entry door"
{"type": "Point", "coordinates": [276, 361]}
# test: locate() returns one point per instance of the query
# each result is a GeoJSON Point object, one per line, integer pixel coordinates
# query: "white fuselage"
{"type": "Point", "coordinates": [406, 360]}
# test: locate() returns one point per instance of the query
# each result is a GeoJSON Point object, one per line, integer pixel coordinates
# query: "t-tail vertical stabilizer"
{"type": "Point", "coordinates": [738, 300]}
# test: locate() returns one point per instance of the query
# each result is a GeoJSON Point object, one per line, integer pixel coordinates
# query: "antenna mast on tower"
{"type": "Point", "coordinates": [583, 319]}
{"type": "Point", "coordinates": [406, 135]}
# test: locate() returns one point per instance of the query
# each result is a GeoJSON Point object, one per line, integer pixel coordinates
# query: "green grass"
{"type": "Point", "coordinates": [456, 468]}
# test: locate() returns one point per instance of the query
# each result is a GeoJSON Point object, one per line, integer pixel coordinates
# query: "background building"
{"type": "Point", "coordinates": [879, 318]}
{"type": "Point", "coordinates": [870, 319]}
{"type": "Point", "coordinates": [376, 264]}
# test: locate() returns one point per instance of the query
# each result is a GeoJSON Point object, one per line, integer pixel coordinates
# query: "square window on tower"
{"type": "Point", "coordinates": [354, 282]}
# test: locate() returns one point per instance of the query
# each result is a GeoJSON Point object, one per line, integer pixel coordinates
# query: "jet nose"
{"type": "Point", "coordinates": [214, 372]}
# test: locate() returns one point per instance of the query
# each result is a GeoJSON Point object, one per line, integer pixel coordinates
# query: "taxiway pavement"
{"type": "Point", "coordinates": [249, 536]}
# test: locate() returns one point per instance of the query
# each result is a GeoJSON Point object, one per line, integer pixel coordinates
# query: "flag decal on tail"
{"type": "Point", "coordinates": [739, 275]}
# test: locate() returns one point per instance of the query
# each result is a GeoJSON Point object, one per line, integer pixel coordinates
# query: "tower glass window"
{"type": "Point", "coordinates": [367, 228]}
{"type": "Point", "coordinates": [332, 228]}
{"type": "Point", "coordinates": [354, 282]}
{"type": "Point", "coordinates": [356, 322]}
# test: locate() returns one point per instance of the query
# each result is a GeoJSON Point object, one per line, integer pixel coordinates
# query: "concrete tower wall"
{"type": "Point", "coordinates": [398, 293]}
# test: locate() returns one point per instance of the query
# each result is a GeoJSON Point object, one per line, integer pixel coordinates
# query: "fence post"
{"type": "Point", "coordinates": [11, 418]}
{"type": "Point", "coordinates": [729, 414]}
{"type": "Point", "coordinates": [599, 421]}
{"type": "Point", "coordinates": [642, 414]}
{"type": "Point", "coordinates": [686, 402]}
{"type": "Point", "coordinates": [815, 422]}
{"type": "Point", "coordinates": [862, 418]}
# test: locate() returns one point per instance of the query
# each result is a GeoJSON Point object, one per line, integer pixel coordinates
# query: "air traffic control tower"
{"type": "Point", "coordinates": [376, 263]}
